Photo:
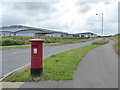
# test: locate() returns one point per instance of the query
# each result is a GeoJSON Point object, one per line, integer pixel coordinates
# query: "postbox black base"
{"type": "Point", "coordinates": [36, 71]}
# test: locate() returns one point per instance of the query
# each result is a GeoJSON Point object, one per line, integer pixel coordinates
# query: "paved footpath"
{"type": "Point", "coordinates": [98, 69]}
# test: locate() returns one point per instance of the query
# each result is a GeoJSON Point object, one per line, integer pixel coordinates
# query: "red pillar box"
{"type": "Point", "coordinates": [36, 57]}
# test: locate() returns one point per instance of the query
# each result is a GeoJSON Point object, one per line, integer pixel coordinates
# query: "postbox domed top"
{"type": "Point", "coordinates": [36, 40]}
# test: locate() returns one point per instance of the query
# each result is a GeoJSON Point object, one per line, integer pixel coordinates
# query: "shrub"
{"type": "Point", "coordinates": [19, 40]}
{"type": "Point", "coordinates": [8, 42]}
{"type": "Point", "coordinates": [100, 42]}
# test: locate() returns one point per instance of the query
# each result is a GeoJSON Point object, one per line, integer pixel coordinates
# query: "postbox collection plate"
{"type": "Point", "coordinates": [35, 50]}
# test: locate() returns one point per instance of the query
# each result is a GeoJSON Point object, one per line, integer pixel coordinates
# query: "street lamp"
{"type": "Point", "coordinates": [102, 21]}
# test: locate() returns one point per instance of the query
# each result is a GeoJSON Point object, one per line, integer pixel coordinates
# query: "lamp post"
{"type": "Point", "coordinates": [102, 21]}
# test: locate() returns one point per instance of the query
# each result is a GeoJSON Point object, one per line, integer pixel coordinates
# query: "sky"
{"type": "Point", "coordinates": [72, 16]}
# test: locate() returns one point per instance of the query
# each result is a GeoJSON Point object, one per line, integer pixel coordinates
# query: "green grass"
{"type": "Point", "coordinates": [56, 67]}
{"type": "Point", "coordinates": [14, 47]}
{"type": "Point", "coordinates": [116, 43]}
{"type": "Point", "coordinates": [52, 44]}
{"type": "Point", "coordinates": [22, 40]}
{"type": "Point", "coordinates": [101, 42]}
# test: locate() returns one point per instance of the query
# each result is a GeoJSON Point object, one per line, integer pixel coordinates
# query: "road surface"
{"type": "Point", "coordinates": [13, 59]}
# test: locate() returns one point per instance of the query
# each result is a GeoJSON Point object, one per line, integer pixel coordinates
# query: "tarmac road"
{"type": "Point", "coordinates": [13, 59]}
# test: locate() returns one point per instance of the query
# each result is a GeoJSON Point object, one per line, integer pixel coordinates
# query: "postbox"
{"type": "Point", "coordinates": [36, 57]}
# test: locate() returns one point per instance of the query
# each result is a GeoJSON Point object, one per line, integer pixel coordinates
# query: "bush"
{"type": "Point", "coordinates": [21, 40]}
{"type": "Point", "coordinates": [116, 43]}
{"type": "Point", "coordinates": [8, 42]}
{"type": "Point", "coordinates": [100, 42]}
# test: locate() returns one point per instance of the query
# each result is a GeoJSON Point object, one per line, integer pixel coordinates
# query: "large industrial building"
{"type": "Point", "coordinates": [29, 31]}
{"type": "Point", "coordinates": [18, 30]}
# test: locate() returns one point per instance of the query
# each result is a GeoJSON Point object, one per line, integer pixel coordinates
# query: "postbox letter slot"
{"type": "Point", "coordinates": [34, 45]}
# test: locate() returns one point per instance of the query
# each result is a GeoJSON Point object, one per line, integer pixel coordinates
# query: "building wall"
{"type": "Point", "coordinates": [5, 34]}
{"type": "Point", "coordinates": [28, 34]}
{"type": "Point", "coordinates": [87, 35]}
{"type": "Point", "coordinates": [70, 35]}
{"type": "Point", "coordinates": [56, 35]}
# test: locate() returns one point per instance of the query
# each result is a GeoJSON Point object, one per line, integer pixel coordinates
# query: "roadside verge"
{"type": "Point", "coordinates": [56, 67]}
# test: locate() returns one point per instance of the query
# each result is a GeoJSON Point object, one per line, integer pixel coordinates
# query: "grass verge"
{"type": "Point", "coordinates": [13, 47]}
{"type": "Point", "coordinates": [23, 40]}
{"type": "Point", "coordinates": [52, 44]}
{"type": "Point", "coordinates": [56, 67]}
{"type": "Point", "coordinates": [116, 45]}
{"type": "Point", "coordinates": [101, 42]}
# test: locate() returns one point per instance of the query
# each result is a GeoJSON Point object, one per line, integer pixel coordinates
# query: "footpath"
{"type": "Point", "coordinates": [98, 69]}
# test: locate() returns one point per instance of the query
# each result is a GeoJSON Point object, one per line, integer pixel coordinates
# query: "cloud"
{"type": "Point", "coordinates": [110, 11]}
{"type": "Point", "coordinates": [85, 9]}
{"type": "Point", "coordinates": [72, 16]}
{"type": "Point", "coordinates": [25, 12]}
{"type": "Point", "coordinates": [85, 6]}
{"type": "Point", "coordinates": [29, 6]}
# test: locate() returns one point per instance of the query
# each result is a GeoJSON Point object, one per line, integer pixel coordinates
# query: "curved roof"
{"type": "Point", "coordinates": [34, 30]}
{"type": "Point", "coordinates": [26, 29]}
{"type": "Point", "coordinates": [6, 32]}
{"type": "Point", "coordinates": [87, 33]}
